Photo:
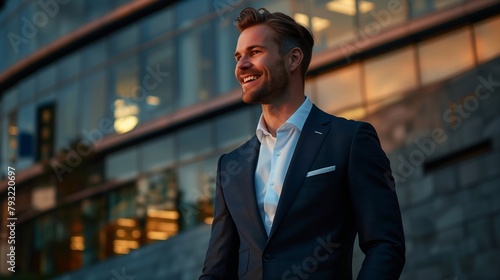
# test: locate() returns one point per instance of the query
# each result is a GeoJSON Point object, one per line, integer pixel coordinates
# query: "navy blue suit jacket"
{"type": "Point", "coordinates": [317, 217]}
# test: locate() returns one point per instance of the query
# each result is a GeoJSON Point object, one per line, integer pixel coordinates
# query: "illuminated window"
{"type": "Point", "coordinates": [445, 55]}
{"type": "Point", "coordinates": [127, 94]}
{"type": "Point", "coordinates": [339, 90]}
{"type": "Point", "coordinates": [375, 15]}
{"type": "Point", "coordinates": [45, 133]}
{"type": "Point", "coordinates": [389, 74]}
{"type": "Point", "coordinates": [332, 22]}
{"type": "Point", "coordinates": [487, 39]}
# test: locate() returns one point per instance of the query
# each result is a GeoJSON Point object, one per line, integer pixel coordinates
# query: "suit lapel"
{"type": "Point", "coordinates": [248, 159]}
{"type": "Point", "coordinates": [310, 141]}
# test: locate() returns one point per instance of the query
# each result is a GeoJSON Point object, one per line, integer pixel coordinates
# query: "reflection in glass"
{"type": "Point", "coordinates": [124, 39]}
{"type": "Point", "coordinates": [420, 7]}
{"type": "Point", "coordinates": [339, 89]}
{"type": "Point", "coordinates": [127, 93]}
{"type": "Point", "coordinates": [487, 39]}
{"type": "Point", "coordinates": [158, 81]}
{"type": "Point", "coordinates": [196, 70]}
{"type": "Point", "coordinates": [194, 140]}
{"type": "Point", "coordinates": [375, 15]}
{"type": "Point", "coordinates": [234, 128]}
{"type": "Point", "coordinates": [67, 107]}
{"type": "Point", "coordinates": [332, 22]}
{"type": "Point", "coordinates": [445, 55]}
{"type": "Point", "coordinates": [196, 191]}
{"type": "Point", "coordinates": [94, 102]}
{"type": "Point", "coordinates": [122, 164]}
{"type": "Point", "coordinates": [389, 74]}
{"type": "Point", "coordinates": [157, 153]}
{"type": "Point", "coordinates": [26, 136]}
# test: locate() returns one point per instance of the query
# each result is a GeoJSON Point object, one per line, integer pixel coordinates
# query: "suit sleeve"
{"type": "Point", "coordinates": [376, 207]}
{"type": "Point", "coordinates": [221, 261]}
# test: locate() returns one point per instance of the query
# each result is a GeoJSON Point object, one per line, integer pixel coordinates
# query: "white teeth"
{"type": "Point", "coordinates": [250, 78]}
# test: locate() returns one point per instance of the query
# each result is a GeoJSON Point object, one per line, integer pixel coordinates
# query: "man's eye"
{"type": "Point", "coordinates": [255, 52]}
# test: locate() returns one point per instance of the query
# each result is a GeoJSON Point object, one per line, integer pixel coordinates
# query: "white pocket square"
{"type": "Point", "coordinates": [321, 171]}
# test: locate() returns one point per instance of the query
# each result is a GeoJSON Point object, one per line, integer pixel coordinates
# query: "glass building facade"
{"type": "Point", "coordinates": [114, 113]}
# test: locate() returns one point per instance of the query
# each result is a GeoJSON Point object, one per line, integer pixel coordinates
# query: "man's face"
{"type": "Point", "coordinates": [260, 69]}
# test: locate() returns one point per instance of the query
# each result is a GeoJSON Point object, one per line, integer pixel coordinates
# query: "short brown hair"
{"type": "Point", "coordinates": [288, 33]}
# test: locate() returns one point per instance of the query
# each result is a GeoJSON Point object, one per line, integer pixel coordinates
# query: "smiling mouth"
{"type": "Point", "coordinates": [250, 78]}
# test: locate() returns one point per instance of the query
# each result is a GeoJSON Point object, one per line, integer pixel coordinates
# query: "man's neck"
{"type": "Point", "coordinates": [277, 114]}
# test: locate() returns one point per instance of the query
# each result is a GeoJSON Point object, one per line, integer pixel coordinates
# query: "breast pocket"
{"type": "Point", "coordinates": [325, 175]}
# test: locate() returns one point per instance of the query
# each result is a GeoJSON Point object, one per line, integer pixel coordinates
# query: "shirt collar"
{"type": "Point", "coordinates": [297, 119]}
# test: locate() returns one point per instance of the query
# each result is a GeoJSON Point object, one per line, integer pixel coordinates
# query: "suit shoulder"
{"type": "Point", "coordinates": [246, 148]}
{"type": "Point", "coordinates": [347, 125]}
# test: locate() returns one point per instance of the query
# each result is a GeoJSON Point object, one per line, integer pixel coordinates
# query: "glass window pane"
{"type": "Point", "coordinates": [96, 8]}
{"type": "Point", "coordinates": [194, 140]}
{"type": "Point", "coordinates": [124, 77]}
{"type": "Point", "coordinates": [389, 74]}
{"type": "Point", "coordinates": [122, 164]}
{"type": "Point", "coordinates": [124, 39]}
{"type": "Point", "coordinates": [94, 54]}
{"type": "Point", "coordinates": [487, 39]}
{"type": "Point", "coordinates": [46, 77]}
{"type": "Point", "coordinates": [71, 17]}
{"type": "Point", "coordinates": [10, 100]}
{"type": "Point", "coordinates": [420, 7]}
{"type": "Point", "coordinates": [158, 81]}
{"type": "Point", "coordinates": [69, 66]}
{"type": "Point", "coordinates": [445, 55]}
{"type": "Point", "coordinates": [196, 190]}
{"type": "Point", "coordinates": [196, 69]}
{"type": "Point", "coordinates": [27, 88]}
{"type": "Point", "coordinates": [157, 153]}
{"type": "Point", "coordinates": [94, 103]}
{"type": "Point", "coordinates": [234, 128]}
{"type": "Point", "coordinates": [339, 89]}
{"type": "Point", "coordinates": [67, 131]}
{"type": "Point", "coordinates": [158, 23]}
{"type": "Point", "coordinates": [188, 11]}
{"type": "Point", "coordinates": [375, 15]}
{"type": "Point", "coordinates": [227, 36]}
{"type": "Point", "coordinates": [26, 136]}
{"type": "Point", "coordinates": [332, 22]}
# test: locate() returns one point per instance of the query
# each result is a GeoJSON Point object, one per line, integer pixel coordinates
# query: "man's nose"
{"type": "Point", "coordinates": [243, 63]}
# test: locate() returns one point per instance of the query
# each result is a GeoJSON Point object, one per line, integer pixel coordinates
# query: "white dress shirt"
{"type": "Point", "coordinates": [274, 158]}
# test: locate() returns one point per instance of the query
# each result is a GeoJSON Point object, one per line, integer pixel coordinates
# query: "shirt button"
{"type": "Point", "coordinates": [266, 258]}
{"type": "Point", "coordinates": [278, 154]}
{"type": "Point", "coordinates": [269, 222]}
{"type": "Point", "coordinates": [272, 183]}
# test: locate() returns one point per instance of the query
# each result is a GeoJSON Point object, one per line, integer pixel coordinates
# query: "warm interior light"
{"type": "Point", "coordinates": [348, 7]}
{"type": "Point", "coordinates": [77, 243]}
{"type": "Point", "coordinates": [164, 214]}
{"type": "Point", "coordinates": [125, 222]}
{"type": "Point", "coordinates": [153, 100]}
{"type": "Point", "coordinates": [318, 23]}
{"type": "Point", "coordinates": [157, 235]}
{"type": "Point", "coordinates": [12, 130]}
{"type": "Point", "coordinates": [120, 233]}
{"type": "Point", "coordinates": [126, 124]}
{"type": "Point", "coordinates": [209, 220]}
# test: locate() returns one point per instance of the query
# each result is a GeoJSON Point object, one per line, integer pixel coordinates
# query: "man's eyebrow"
{"type": "Point", "coordinates": [249, 48]}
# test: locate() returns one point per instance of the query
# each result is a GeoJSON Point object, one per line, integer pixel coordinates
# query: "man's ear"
{"type": "Point", "coordinates": [295, 57]}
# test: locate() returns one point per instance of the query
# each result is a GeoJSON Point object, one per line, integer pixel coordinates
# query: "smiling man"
{"type": "Point", "coordinates": [290, 201]}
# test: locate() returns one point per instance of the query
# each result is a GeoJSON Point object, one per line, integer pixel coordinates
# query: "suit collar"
{"type": "Point", "coordinates": [247, 157]}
